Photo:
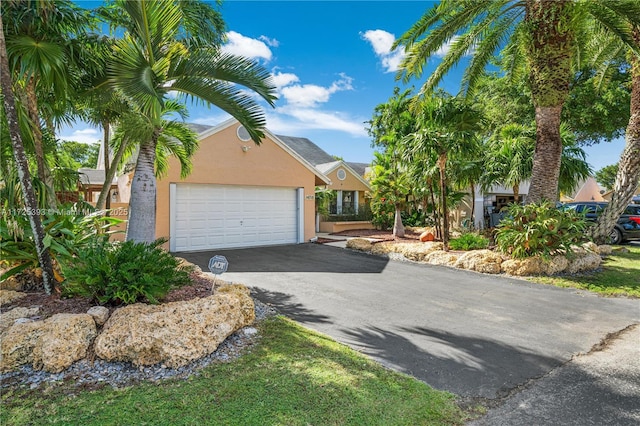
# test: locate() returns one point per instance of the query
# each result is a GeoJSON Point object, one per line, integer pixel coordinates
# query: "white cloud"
{"type": "Point", "coordinates": [282, 79]}
{"type": "Point", "coordinates": [213, 119]}
{"type": "Point", "coordinates": [86, 135]}
{"type": "Point", "coordinates": [382, 41]}
{"type": "Point", "coordinates": [270, 41]}
{"type": "Point", "coordinates": [245, 46]}
{"type": "Point", "coordinates": [310, 95]}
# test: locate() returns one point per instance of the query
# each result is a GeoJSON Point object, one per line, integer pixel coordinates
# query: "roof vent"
{"type": "Point", "coordinates": [342, 175]}
{"type": "Point", "coordinates": [243, 134]}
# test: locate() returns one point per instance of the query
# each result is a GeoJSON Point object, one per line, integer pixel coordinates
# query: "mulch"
{"type": "Point", "coordinates": [200, 286]}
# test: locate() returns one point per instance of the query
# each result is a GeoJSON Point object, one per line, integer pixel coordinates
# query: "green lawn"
{"type": "Point", "coordinates": [620, 276]}
{"type": "Point", "coordinates": [294, 376]}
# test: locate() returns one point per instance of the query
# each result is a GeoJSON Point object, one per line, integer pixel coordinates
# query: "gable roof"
{"type": "Point", "coordinates": [360, 168]}
{"type": "Point", "coordinates": [330, 167]}
{"type": "Point", "coordinates": [307, 149]}
{"type": "Point", "coordinates": [93, 177]}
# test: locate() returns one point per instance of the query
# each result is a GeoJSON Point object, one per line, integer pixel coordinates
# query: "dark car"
{"type": "Point", "coordinates": [626, 229]}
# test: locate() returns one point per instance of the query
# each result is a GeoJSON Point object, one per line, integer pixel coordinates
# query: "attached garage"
{"type": "Point", "coordinates": [205, 217]}
{"type": "Point", "coordinates": [238, 194]}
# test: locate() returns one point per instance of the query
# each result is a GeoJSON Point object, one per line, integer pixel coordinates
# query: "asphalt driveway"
{"type": "Point", "coordinates": [478, 336]}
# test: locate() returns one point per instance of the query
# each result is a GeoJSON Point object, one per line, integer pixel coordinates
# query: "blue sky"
{"type": "Point", "coordinates": [332, 66]}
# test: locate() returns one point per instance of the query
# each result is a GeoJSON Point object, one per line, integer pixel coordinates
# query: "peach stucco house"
{"type": "Point", "coordinates": [240, 194]}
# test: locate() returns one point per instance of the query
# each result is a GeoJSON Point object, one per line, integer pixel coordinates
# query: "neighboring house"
{"type": "Point", "coordinates": [91, 181]}
{"type": "Point", "coordinates": [586, 190]}
{"type": "Point", "coordinates": [241, 195]}
{"type": "Point", "coordinates": [347, 179]}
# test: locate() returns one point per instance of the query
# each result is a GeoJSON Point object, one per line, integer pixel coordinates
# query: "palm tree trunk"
{"type": "Point", "coordinates": [108, 178]}
{"type": "Point", "coordinates": [473, 204]}
{"type": "Point", "coordinates": [516, 192]}
{"type": "Point", "coordinates": [628, 174]}
{"type": "Point", "coordinates": [398, 227]}
{"type": "Point", "coordinates": [435, 210]}
{"type": "Point", "coordinates": [22, 167]}
{"type": "Point", "coordinates": [442, 163]}
{"type": "Point", "coordinates": [44, 174]}
{"type": "Point", "coordinates": [549, 53]}
{"type": "Point", "coordinates": [142, 207]}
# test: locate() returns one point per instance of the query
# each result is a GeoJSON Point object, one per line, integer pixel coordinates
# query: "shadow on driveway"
{"type": "Point", "coordinates": [285, 305]}
{"type": "Point", "coordinates": [465, 365]}
{"type": "Point", "coordinates": [317, 258]}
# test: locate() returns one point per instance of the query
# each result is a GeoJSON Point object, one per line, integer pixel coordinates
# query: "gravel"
{"type": "Point", "coordinates": [86, 373]}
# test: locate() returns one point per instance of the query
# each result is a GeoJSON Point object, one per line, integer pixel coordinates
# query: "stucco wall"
{"type": "Point", "coordinates": [221, 159]}
{"type": "Point", "coordinates": [350, 183]}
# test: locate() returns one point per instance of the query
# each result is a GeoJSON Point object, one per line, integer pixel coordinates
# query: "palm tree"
{"type": "Point", "coordinates": [152, 60]}
{"type": "Point", "coordinates": [39, 39]}
{"type": "Point", "coordinates": [446, 127]}
{"type": "Point", "coordinates": [390, 183]}
{"type": "Point", "coordinates": [628, 175]}
{"type": "Point", "coordinates": [540, 34]}
{"type": "Point", "coordinates": [509, 154]}
{"type": "Point", "coordinates": [391, 123]}
{"type": "Point", "coordinates": [44, 258]}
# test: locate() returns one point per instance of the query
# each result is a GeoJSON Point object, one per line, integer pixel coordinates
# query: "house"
{"type": "Point", "coordinates": [585, 190]}
{"type": "Point", "coordinates": [240, 194]}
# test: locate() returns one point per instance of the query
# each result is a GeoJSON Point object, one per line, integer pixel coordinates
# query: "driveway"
{"type": "Point", "coordinates": [478, 336]}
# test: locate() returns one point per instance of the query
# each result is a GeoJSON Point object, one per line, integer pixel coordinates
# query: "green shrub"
{"type": "Point", "coordinates": [539, 229]}
{"type": "Point", "coordinates": [124, 273]}
{"type": "Point", "coordinates": [65, 232]}
{"type": "Point", "coordinates": [469, 241]}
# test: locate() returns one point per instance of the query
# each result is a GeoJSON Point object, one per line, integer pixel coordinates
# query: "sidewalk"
{"type": "Point", "coordinates": [340, 240]}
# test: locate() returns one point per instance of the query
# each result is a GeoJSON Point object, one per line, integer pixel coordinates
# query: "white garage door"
{"type": "Point", "coordinates": [208, 217]}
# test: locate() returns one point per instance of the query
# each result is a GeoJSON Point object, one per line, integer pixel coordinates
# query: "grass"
{"type": "Point", "coordinates": [620, 276]}
{"type": "Point", "coordinates": [294, 376]}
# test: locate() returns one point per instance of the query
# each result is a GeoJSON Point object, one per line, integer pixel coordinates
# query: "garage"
{"type": "Point", "coordinates": [207, 216]}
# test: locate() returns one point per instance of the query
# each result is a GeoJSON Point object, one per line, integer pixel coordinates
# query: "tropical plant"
{"type": "Point", "coordinates": [628, 175]}
{"type": "Point", "coordinates": [160, 53]}
{"type": "Point", "coordinates": [606, 176]}
{"type": "Point", "coordinates": [446, 126]}
{"type": "Point", "coordinates": [469, 241]}
{"type": "Point", "coordinates": [22, 167]}
{"type": "Point", "coordinates": [124, 273]}
{"type": "Point", "coordinates": [539, 230]}
{"type": "Point", "coordinates": [391, 123]}
{"type": "Point", "coordinates": [390, 186]}
{"type": "Point", "coordinates": [536, 36]}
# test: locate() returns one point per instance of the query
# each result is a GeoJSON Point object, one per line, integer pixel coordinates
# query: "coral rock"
{"type": "Point", "coordinates": [604, 250]}
{"type": "Point", "coordinates": [175, 333]}
{"type": "Point", "coordinates": [584, 263]}
{"type": "Point", "coordinates": [485, 261]}
{"type": "Point", "coordinates": [8, 296]}
{"type": "Point", "coordinates": [8, 318]}
{"type": "Point", "coordinates": [440, 257]}
{"type": "Point", "coordinates": [100, 314]}
{"type": "Point", "coordinates": [361, 244]}
{"type": "Point", "coordinates": [523, 267]}
{"type": "Point", "coordinates": [53, 344]}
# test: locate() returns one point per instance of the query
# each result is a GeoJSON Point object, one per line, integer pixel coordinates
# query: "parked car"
{"type": "Point", "coordinates": [626, 229]}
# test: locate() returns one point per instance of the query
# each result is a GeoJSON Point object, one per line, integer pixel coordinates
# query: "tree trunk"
{"type": "Point", "coordinates": [142, 207]}
{"type": "Point", "coordinates": [106, 186]}
{"type": "Point", "coordinates": [442, 164]}
{"type": "Point", "coordinates": [516, 193]}
{"type": "Point", "coordinates": [550, 46]}
{"type": "Point", "coordinates": [473, 204]}
{"type": "Point", "coordinates": [398, 227]}
{"type": "Point", "coordinates": [435, 210]}
{"type": "Point", "coordinates": [44, 174]}
{"type": "Point", "coordinates": [628, 174]}
{"type": "Point", "coordinates": [22, 167]}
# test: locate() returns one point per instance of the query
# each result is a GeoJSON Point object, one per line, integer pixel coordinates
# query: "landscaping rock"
{"type": "Point", "coordinates": [66, 339]}
{"type": "Point", "coordinates": [11, 283]}
{"type": "Point", "coordinates": [485, 261]}
{"type": "Point", "coordinates": [100, 314]}
{"type": "Point", "coordinates": [175, 333]}
{"type": "Point", "coordinates": [52, 345]}
{"type": "Point", "coordinates": [191, 267]}
{"type": "Point", "coordinates": [591, 247]}
{"type": "Point", "coordinates": [7, 319]}
{"type": "Point", "coordinates": [584, 262]}
{"type": "Point", "coordinates": [427, 236]}
{"type": "Point", "coordinates": [523, 267]}
{"type": "Point", "coordinates": [382, 248]}
{"type": "Point", "coordinates": [361, 244]}
{"type": "Point", "coordinates": [441, 257]}
{"type": "Point", "coordinates": [417, 251]}
{"type": "Point", "coordinates": [605, 250]}
{"type": "Point", "coordinates": [556, 265]}
{"type": "Point", "coordinates": [8, 296]}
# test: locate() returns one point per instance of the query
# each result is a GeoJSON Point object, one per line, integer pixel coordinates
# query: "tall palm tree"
{"type": "Point", "coordinates": [391, 123]}
{"type": "Point", "coordinates": [30, 204]}
{"type": "Point", "coordinates": [390, 183]}
{"type": "Point", "coordinates": [540, 34]}
{"type": "Point", "coordinates": [628, 175]}
{"type": "Point", "coordinates": [446, 126]}
{"type": "Point", "coordinates": [509, 154]}
{"type": "Point", "coordinates": [150, 61]}
{"type": "Point", "coordinates": [40, 35]}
